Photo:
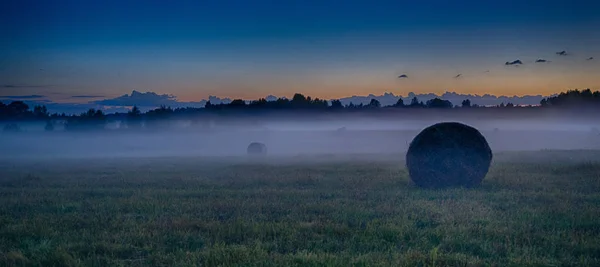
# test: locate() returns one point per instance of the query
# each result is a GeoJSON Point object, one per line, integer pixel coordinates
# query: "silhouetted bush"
{"type": "Point", "coordinates": [134, 118]}
{"type": "Point", "coordinates": [11, 128]}
{"type": "Point", "coordinates": [448, 154]}
{"type": "Point", "coordinates": [573, 98]}
{"type": "Point", "coordinates": [438, 103]}
{"type": "Point", "coordinates": [90, 120]}
{"type": "Point", "coordinates": [257, 149]}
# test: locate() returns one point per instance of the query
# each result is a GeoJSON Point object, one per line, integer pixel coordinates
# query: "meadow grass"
{"type": "Point", "coordinates": [349, 212]}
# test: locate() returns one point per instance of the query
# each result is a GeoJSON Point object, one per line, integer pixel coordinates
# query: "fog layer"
{"type": "Point", "coordinates": [288, 138]}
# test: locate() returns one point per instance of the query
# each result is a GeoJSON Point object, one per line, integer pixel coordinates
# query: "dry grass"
{"type": "Point", "coordinates": [347, 212]}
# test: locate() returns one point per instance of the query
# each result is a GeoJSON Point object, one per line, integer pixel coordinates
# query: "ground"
{"type": "Point", "coordinates": [533, 209]}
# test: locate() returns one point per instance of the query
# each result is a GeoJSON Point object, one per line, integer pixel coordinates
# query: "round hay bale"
{"type": "Point", "coordinates": [448, 154]}
{"type": "Point", "coordinates": [256, 148]}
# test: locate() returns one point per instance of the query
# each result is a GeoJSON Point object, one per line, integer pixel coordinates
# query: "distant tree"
{"type": "Point", "coordinates": [91, 120]}
{"type": "Point", "coordinates": [319, 104]}
{"type": "Point", "coordinates": [374, 103]}
{"type": "Point", "coordinates": [237, 103]}
{"type": "Point", "coordinates": [414, 103]}
{"type": "Point", "coordinates": [299, 98]}
{"type": "Point", "coordinates": [16, 110]}
{"type": "Point", "coordinates": [260, 103]}
{"type": "Point", "coordinates": [439, 103]}
{"type": "Point", "coordinates": [18, 107]}
{"type": "Point", "coordinates": [510, 105]}
{"type": "Point", "coordinates": [573, 99]}
{"type": "Point", "coordinates": [134, 118]}
{"type": "Point", "coordinates": [466, 103]}
{"type": "Point", "coordinates": [40, 112]}
{"type": "Point", "coordinates": [399, 103]}
{"type": "Point", "coordinates": [298, 101]}
{"type": "Point", "coordinates": [336, 104]}
{"type": "Point", "coordinates": [3, 111]}
{"type": "Point", "coordinates": [159, 117]}
{"type": "Point", "coordinates": [282, 103]}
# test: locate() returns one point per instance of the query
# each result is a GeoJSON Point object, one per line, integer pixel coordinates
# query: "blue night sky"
{"type": "Point", "coordinates": [327, 49]}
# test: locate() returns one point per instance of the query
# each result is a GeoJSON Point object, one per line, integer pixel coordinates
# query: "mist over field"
{"type": "Point", "coordinates": [290, 137]}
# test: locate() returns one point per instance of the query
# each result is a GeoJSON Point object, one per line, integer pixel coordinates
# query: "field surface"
{"type": "Point", "coordinates": [533, 209]}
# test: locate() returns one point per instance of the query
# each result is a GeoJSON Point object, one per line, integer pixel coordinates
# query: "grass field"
{"type": "Point", "coordinates": [533, 209]}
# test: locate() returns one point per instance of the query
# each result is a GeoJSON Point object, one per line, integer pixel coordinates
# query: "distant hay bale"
{"type": "Point", "coordinates": [257, 149]}
{"type": "Point", "coordinates": [448, 154]}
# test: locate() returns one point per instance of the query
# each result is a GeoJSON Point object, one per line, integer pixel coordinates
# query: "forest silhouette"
{"type": "Point", "coordinates": [18, 111]}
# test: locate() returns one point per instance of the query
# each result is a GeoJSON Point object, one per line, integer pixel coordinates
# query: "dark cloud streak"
{"type": "Point", "coordinates": [24, 86]}
{"type": "Point", "coordinates": [17, 97]}
{"type": "Point", "coordinates": [87, 96]}
{"type": "Point", "coordinates": [515, 62]}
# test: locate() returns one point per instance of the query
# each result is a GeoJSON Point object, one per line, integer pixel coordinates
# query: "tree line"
{"type": "Point", "coordinates": [96, 119]}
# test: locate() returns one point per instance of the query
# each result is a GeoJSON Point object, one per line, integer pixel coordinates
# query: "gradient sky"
{"type": "Point", "coordinates": [328, 49]}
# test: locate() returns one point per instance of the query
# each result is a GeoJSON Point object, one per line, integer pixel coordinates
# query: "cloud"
{"type": "Point", "coordinates": [456, 98]}
{"type": "Point", "coordinates": [590, 58]}
{"type": "Point", "coordinates": [515, 62]}
{"type": "Point", "coordinates": [539, 60]}
{"type": "Point", "coordinates": [87, 96]}
{"type": "Point", "coordinates": [24, 86]}
{"type": "Point", "coordinates": [403, 76]}
{"type": "Point", "coordinates": [216, 100]}
{"type": "Point", "coordinates": [153, 100]}
{"type": "Point", "coordinates": [562, 53]}
{"type": "Point", "coordinates": [139, 99]}
{"type": "Point", "coordinates": [458, 76]}
{"type": "Point", "coordinates": [150, 100]}
{"type": "Point", "coordinates": [17, 97]}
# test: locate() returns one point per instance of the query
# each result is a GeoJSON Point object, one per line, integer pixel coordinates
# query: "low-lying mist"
{"type": "Point", "coordinates": [287, 138]}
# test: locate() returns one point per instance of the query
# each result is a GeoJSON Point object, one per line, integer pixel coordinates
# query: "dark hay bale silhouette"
{"type": "Point", "coordinates": [448, 154]}
{"type": "Point", "coordinates": [257, 148]}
